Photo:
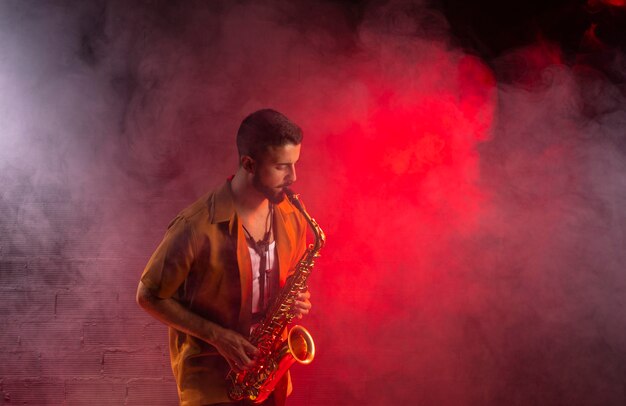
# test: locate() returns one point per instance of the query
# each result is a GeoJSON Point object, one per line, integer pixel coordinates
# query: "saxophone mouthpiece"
{"type": "Point", "coordinates": [293, 198]}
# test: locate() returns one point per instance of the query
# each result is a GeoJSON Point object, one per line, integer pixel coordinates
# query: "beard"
{"type": "Point", "coordinates": [272, 194]}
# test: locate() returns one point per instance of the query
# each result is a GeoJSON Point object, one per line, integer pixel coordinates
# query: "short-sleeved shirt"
{"type": "Point", "coordinates": [203, 263]}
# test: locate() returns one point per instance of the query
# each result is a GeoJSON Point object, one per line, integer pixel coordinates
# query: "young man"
{"type": "Point", "coordinates": [224, 258]}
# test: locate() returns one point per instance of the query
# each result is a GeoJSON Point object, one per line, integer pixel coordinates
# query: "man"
{"type": "Point", "coordinates": [224, 258]}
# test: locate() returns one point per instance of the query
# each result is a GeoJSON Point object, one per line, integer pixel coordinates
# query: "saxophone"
{"type": "Point", "coordinates": [276, 355]}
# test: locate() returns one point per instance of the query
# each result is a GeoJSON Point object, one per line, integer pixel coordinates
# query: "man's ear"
{"type": "Point", "coordinates": [247, 163]}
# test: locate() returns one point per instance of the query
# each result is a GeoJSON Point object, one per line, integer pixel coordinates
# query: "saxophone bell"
{"type": "Point", "coordinates": [301, 345]}
{"type": "Point", "coordinates": [298, 347]}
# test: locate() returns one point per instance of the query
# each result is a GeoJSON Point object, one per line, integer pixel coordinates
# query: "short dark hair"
{"type": "Point", "coordinates": [266, 128]}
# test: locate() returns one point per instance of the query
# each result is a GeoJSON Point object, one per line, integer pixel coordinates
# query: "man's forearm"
{"type": "Point", "coordinates": [172, 313]}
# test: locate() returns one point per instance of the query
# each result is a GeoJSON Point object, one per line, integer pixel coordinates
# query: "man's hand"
{"type": "Point", "coordinates": [231, 345]}
{"type": "Point", "coordinates": [302, 305]}
{"type": "Point", "coordinates": [236, 349]}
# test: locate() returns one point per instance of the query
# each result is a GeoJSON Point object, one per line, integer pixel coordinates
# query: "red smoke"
{"type": "Point", "coordinates": [415, 148]}
{"type": "Point", "coordinates": [591, 40]}
{"type": "Point", "coordinates": [615, 3]}
{"type": "Point", "coordinates": [401, 181]}
{"type": "Point", "coordinates": [449, 277]}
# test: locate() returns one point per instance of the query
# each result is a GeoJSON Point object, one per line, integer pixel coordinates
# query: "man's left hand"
{"type": "Point", "coordinates": [303, 304]}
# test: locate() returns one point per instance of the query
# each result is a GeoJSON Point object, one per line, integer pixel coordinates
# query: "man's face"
{"type": "Point", "coordinates": [276, 170]}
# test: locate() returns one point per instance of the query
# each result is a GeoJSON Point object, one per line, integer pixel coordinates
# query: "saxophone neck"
{"type": "Point", "coordinates": [320, 237]}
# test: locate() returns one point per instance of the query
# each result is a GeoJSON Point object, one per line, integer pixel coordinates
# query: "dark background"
{"type": "Point", "coordinates": [466, 160]}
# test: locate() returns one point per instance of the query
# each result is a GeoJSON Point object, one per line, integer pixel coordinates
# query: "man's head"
{"type": "Point", "coordinates": [269, 147]}
{"type": "Point", "coordinates": [266, 128]}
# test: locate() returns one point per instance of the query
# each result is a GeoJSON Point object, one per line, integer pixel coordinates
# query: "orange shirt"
{"type": "Point", "coordinates": [203, 262]}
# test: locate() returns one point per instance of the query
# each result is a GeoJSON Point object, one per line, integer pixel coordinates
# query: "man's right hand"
{"type": "Point", "coordinates": [236, 349]}
{"type": "Point", "coordinates": [231, 345]}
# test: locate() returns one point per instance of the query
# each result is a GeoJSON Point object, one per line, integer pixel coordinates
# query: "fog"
{"type": "Point", "coordinates": [473, 209]}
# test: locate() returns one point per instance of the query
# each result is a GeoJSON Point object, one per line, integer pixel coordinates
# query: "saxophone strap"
{"type": "Point", "coordinates": [262, 248]}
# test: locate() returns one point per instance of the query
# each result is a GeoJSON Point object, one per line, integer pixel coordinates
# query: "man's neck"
{"type": "Point", "coordinates": [246, 198]}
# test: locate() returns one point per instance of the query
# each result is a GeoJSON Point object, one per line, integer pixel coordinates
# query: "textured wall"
{"type": "Point", "coordinates": [474, 211]}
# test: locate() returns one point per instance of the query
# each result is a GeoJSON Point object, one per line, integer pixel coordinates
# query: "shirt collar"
{"type": "Point", "coordinates": [224, 207]}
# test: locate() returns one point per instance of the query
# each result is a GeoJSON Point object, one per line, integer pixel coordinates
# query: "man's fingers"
{"type": "Point", "coordinates": [240, 363]}
{"type": "Point", "coordinates": [303, 305]}
{"type": "Point", "coordinates": [239, 352]}
{"type": "Point", "coordinates": [235, 366]}
{"type": "Point", "coordinates": [246, 354]}
{"type": "Point", "coordinates": [249, 348]}
{"type": "Point", "coordinates": [301, 308]}
{"type": "Point", "coordinates": [246, 362]}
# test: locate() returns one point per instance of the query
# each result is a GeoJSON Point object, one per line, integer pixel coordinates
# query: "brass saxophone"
{"type": "Point", "coordinates": [276, 355]}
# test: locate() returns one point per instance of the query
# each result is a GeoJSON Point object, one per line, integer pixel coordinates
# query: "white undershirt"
{"type": "Point", "coordinates": [271, 264]}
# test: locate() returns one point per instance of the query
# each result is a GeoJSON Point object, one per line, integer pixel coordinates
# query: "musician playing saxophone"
{"type": "Point", "coordinates": [222, 261]}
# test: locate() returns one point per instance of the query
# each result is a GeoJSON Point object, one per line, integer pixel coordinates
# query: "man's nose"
{"type": "Point", "coordinates": [292, 173]}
